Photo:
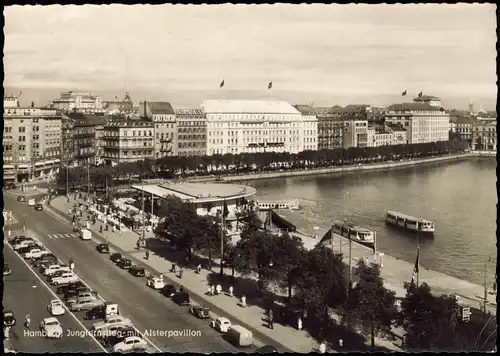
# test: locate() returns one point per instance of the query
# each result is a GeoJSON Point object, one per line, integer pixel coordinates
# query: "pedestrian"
{"type": "Point", "coordinates": [212, 289]}
{"type": "Point", "coordinates": [198, 269]}
{"type": "Point", "coordinates": [161, 278]}
{"type": "Point", "coordinates": [147, 254]}
{"type": "Point", "coordinates": [138, 245]}
{"type": "Point", "coordinates": [271, 325]}
{"type": "Point", "coordinates": [33, 285]}
{"type": "Point", "coordinates": [100, 229]}
{"type": "Point", "coordinates": [71, 264]}
{"type": "Point", "coordinates": [341, 342]}
{"type": "Point", "coordinates": [181, 271]}
{"type": "Point", "coordinates": [209, 291]}
{"type": "Point", "coordinates": [173, 267]}
{"type": "Point", "coordinates": [322, 347]}
{"type": "Point", "coordinates": [231, 291]}
{"type": "Point", "coordinates": [6, 332]}
{"type": "Point", "coordinates": [218, 289]}
{"type": "Point", "coordinates": [114, 228]}
{"type": "Point", "coordinates": [9, 233]}
{"type": "Point", "coordinates": [243, 301]}
{"type": "Point", "coordinates": [299, 324]}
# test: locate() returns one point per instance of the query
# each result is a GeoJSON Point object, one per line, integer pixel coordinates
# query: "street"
{"type": "Point", "coordinates": [148, 309]}
{"type": "Point", "coordinates": [20, 298]}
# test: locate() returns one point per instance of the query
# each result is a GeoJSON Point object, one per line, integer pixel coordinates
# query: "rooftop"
{"type": "Point", "coordinates": [413, 107]}
{"type": "Point", "coordinates": [189, 112]}
{"type": "Point", "coordinates": [425, 98]}
{"type": "Point", "coordinates": [87, 119]}
{"type": "Point", "coordinates": [160, 107]}
{"type": "Point", "coordinates": [198, 192]}
{"type": "Point", "coordinates": [306, 109]}
{"type": "Point", "coordinates": [248, 107]}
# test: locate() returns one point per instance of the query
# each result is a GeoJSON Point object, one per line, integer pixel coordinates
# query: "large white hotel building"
{"type": "Point", "coordinates": [250, 126]}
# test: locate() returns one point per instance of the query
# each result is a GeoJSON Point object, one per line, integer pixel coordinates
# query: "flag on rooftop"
{"type": "Point", "coordinates": [403, 93]}
{"type": "Point", "coordinates": [222, 83]}
{"type": "Point", "coordinates": [420, 94]}
{"type": "Point", "coordinates": [270, 85]}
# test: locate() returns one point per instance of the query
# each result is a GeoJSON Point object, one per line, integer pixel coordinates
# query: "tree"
{"type": "Point", "coordinates": [375, 309]}
{"type": "Point", "coordinates": [430, 322]}
{"type": "Point", "coordinates": [291, 256]}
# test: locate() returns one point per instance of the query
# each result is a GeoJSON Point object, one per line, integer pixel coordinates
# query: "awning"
{"type": "Point", "coordinates": [39, 164]}
{"type": "Point", "coordinates": [8, 166]}
{"type": "Point", "coordinates": [48, 162]}
{"type": "Point", "coordinates": [57, 161]}
{"type": "Point", "coordinates": [23, 166]}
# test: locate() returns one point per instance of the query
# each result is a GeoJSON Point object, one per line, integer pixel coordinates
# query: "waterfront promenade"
{"type": "Point", "coordinates": [394, 271]}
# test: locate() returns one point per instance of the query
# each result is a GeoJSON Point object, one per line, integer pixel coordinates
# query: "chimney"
{"type": "Point", "coordinates": [32, 104]}
{"type": "Point", "coordinates": [145, 109]}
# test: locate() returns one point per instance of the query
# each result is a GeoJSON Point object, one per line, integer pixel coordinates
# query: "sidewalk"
{"type": "Point", "coordinates": [197, 284]}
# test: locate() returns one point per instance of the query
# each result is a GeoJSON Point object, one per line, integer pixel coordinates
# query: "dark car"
{"type": "Point", "coordinates": [74, 292]}
{"type": "Point", "coordinates": [47, 257]}
{"type": "Point", "coordinates": [118, 336]}
{"type": "Point", "coordinates": [17, 240]}
{"type": "Point", "coordinates": [38, 207]}
{"type": "Point", "coordinates": [169, 290]}
{"type": "Point", "coordinates": [200, 312]}
{"type": "Point", "coordinates": [28, 248]}
{"type": "Point", "coordinates": [181, 298]}
{"type": "Point", "coordinates": [266, 349]}
{"type": "Point", "coordinates": [75, 285]}
{"type": "Point", "coordinates": [6, 269]}
{"type": "Point", "coordinates": [116, 257]}
{"type": "Point", "coordinates": [98, 312]}
{"type": "Point", "coordinates": [8, 318]}
{"type": "Point", "coordinates": [124, 263]}
{"type": "Point", "coordinates": [137, 271]}
{"type": "Point", "coordinates": [21, 198]}
{"type": "Point", "coordinates": [102, 248]}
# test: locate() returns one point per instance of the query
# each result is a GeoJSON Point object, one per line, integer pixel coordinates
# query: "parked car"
{"type": "Point", "coordinates": [168, 291]}
{"type": "Point", "coordinates": [64, 279]}
{"type": "Point", "coordinates": [155, 282]}
{"type": "Point", "coordinates": [35, 252]}
{"type": "Point", "coordinates": [200, 311]}
{"type": "Point", "coordinates": [43, 265]}
{"type": "Point", "coordinates": [81, 296]}
{"type": "Point", "coordinates": [102, 248]}
{"type": "Point", "coordinates": [181, 298]}
{"type": "Point", "coordinates": [6, 269]}
{"type": "Point", "coordinates": [52, 328]}
{"type": "Point", "coordinates": [124, 263]}
{"type": "Point", "coordinates": [26, 244]}
{"type": "Point", "coordinates": [8, 318]}
{"type": "Point", "coordinates": [137, 271]}
{"type": "Point", "coordinates": [72, 293]}
{"type": "Point", "coordinates": [49, 271]}
{"type": "Point", "coordinates": [104, 311]}
{"type": "Point", "coordinates": [221, 324]}
{"type": "Point", "coordinates": [129, 344]}
{"type": "Point", "coordinates": [21, 198]}
{"type": "Point", "coordinates": [18, 239]}
{"type": "Point", "coordinates": [85, 304]}
{"type": "Point", "coordinates": [38, 207]}
{"type": "Point", "coordinates": [115, 257]}
{"type": "Point", "coordinates": [56, 307]}
{"type": "Point", "coordinates": [70, 286]}
{"type": "Point", "coordinates": [25, 249]}
{"type": "Point", "coordinates": [114, 337]}
{"type": "Point", "coordinates": [36, 261]}
{"type": "Point", "coordinates": [112, 321]}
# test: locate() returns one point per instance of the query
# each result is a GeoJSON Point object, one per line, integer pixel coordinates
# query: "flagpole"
{"type": "Point", "coordinates": [418, 258]}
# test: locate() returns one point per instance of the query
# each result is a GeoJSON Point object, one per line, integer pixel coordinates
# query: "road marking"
{"type": "Point", "coordinates": [57, 297]}
{"type": "Point", "coordinates": [88, 286]}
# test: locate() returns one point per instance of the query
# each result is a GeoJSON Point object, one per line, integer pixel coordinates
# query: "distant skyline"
{"type": "Point", "coordinates": [329, 54]}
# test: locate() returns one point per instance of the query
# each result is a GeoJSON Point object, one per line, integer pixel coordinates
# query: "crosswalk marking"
{"type": "Point", "coordinates": [62, 236]}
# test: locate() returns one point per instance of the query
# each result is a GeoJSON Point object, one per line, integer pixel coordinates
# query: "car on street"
{"type": "Point", "coordinates": [74, 292]}
{"type": "Point", "coordinates": [124, 263]}
{"type": "Point", "coordinates": [26, 249]}
{"type": "Point", "coordinates": [155, 282]}
{"type": "Point", "coordinates": [24, 244]}
{"type": "Point", "coordinates": [44, 258]}
{"type": "Point", "coordinates": [98, 312]}
{"type": "Point", "coordinates": [38, 207]}
{"type": "Point", "coordinates": [137, 271]}
{"type": "Point", "coordinates": [6, 269]}
{"type": "Point", "coordinates": [64, 279]}
{"type": "Point", "coordinates": [169, 290]}
{"type": "Point", "coordinates": [17, 239]}
{"type": "Point", "coordinates": [129, 344]}
{"type": "Point", "coordinates": [81, 296]}
{"type": "Point", "coordinates": [35, 252]}
{"type": "Point", "coordinates": [102, 248]}
{"type": "Point", "coordinates": [85, 304]}
{"type": "Point", "coordinates": [52, 328]}
{"type": "Point", "coordinates": [117, 336]}
{"type": "Point", "coordinates": [181, 298]}
{"type": "Point", "coordinates": [56, 308]}
{"type": "Point", "coordinates": [21, 198]}
{"type": "Point", "coordinates": [49, 271]}
{"type": "Point", "coordinates": [221, 324]}
{"type": "Point", "coordinates": [200, 311]}
{"type": "Point", "coordinates": [115, 257]}
{"type": "Point", "coordinates": [112, 321]}
{"type": "Point", "coordinates": [43, 265]}
{"type": "Point", "coordinates": [8, 318]}
{"type": "Point", "coordinates": [69, 286]}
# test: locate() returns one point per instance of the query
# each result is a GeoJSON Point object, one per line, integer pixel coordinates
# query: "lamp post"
{"type": "Point", "coordinates": [67, 180]}
{"type": "Point", "coordinates": [221, 217]}
{"type": "Point", "coordinates": [143, 207]}
{"type": "Point", "coordinates": [88, 181]}
{"type": "Point", "coordinates": [485, 283]}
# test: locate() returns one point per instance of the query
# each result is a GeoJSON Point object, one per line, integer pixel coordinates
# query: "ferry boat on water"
{"type": "Point", "coordinates": [356, 233]}
{"type": "Point", "coordinates": [409, 223]}
{"type": "Point", "coordinates": [283, 204]}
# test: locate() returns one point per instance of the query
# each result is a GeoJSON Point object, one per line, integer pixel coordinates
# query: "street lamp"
{"type": "Point", "coordinates": [485, 301]}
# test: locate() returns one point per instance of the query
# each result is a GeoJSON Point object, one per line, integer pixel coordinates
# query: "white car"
{"type": "Point", "coordinates": [112, 321]}
{"type": "Point", "coordinates": [56, 307]}
{"type": "Point", "coordinates": [54, 268]}
{"type": "Point", "coordinates": [221, 324]}
{"type": "Point", "coordinates": [22, 244]}
{"type": "Point", "coordinates": [35, 253]}
{"type": "Point", "coordinates": [52, 328]}
{"type": "Point", "coordinates": [129, 344]}
{"type": "Point", "coordinates": [155, 283]}
{"type": "Point", "coordinates": [65, 278]}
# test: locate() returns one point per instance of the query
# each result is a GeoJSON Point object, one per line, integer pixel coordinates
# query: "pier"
{"type": "Point", "coordinates": [394, 271]}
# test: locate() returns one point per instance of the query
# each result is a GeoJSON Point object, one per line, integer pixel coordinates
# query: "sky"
{"type": "Point", "coordinates": [326, 54]}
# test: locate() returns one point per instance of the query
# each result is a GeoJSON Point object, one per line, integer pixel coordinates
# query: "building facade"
{"type": "Point", "coordinates": [484, 134]}
{"type": "Point", "coordinates": [463, 127]}
{"type": "Point", "coordinates": [388, 136]}
{"type": "Point", "coordinates": [422, 121]}
{"type": "Point", "coordinates": [251, 126]}
{"type": "Point", "coordinates": [84, 142]}
{"type": "Point", "coordinates": [113, 107]}
{"type": "Point", "coordinates": [31, 142]}
{"type": "Point", "coordinates": [78, 102]}
{"type": "Point", "coordinates": [191, 132]}
{"type": "Point", "coordinates": [125, 140]}
{"type": "Point", "coordinates": [330, 128]}
{"type": "Point", "coordinates": [67, 144]}
{"type": "Point", "coordinates": [163, 117]}
{"type": "Point", "coordinates": [309, 129]}
{"type": "Point", "coordinates": [356, 133]}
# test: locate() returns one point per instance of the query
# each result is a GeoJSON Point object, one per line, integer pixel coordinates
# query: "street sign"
{"type": "Point", "coordinates": [466, 314]}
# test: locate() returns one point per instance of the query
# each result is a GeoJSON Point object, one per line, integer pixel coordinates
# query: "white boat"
{"type": "Point", "coordinates": [283, 204]}
{"type": "Point", "coordinates": [354, 232]}
{"type": "Point", "coordinates": [409, 223]}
